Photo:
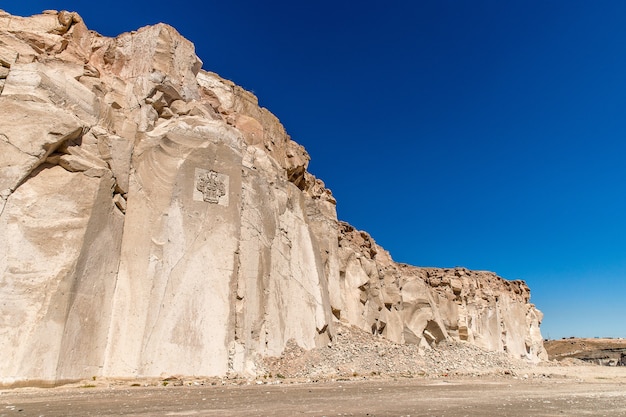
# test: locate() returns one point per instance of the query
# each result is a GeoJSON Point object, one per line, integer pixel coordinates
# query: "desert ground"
{"type": "Point", "coordinates": [579, 390]}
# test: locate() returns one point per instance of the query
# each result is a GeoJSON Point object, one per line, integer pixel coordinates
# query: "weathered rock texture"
{"type": "Point", "coordinates": [155, 220]}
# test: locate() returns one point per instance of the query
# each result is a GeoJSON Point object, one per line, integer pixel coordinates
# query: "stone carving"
{"type": "Point", "coordinates": [211, 187]}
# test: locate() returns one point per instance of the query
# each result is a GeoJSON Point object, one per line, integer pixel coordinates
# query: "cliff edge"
{"type": "Point", "coordinates": [155, 220]}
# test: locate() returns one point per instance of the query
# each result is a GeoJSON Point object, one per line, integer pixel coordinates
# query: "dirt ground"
{"type": "Point", "coordinates": [542, 391]}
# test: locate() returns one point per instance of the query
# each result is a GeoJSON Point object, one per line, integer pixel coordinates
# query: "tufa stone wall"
{"type": "Point", "coordinates": [154, 220]}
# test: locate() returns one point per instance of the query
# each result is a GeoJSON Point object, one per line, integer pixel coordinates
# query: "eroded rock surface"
{"type": "Point", "coordinates": [155, 220]}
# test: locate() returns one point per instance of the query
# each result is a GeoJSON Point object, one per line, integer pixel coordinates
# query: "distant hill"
{"type": "Point", "coordinates": [610, 352]}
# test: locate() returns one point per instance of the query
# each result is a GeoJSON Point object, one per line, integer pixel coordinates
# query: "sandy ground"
{"type": "Point", "coordinates": [543, 391]}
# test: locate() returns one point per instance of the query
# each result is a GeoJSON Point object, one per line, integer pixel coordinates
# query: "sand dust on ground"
{"type": "Point", "coordinates": [536, 391]}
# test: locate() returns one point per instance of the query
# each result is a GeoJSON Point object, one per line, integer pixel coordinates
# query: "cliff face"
{"type": "Point", "coordinates": [155, 220]}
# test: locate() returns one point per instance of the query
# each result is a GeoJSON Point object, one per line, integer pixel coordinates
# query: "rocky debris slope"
{"type": "Point", "coordinates": [355, 353]}
{"type": "Point", "coordinates": [155, 220]}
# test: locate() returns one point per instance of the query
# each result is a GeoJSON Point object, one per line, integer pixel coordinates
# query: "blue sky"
{"type": "Point", "coordinates": [484, 134]}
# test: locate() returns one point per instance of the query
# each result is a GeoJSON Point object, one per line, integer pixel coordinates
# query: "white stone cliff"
{"type": "Point", "coordinates": [154, 220]}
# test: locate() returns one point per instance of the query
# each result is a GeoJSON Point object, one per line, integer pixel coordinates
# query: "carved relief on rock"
{"type": "Point", "coordinates": [211, 187]}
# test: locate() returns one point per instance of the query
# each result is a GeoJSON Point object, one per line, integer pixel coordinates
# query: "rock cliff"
{"type": "Point", "coordinates": [155, 220]}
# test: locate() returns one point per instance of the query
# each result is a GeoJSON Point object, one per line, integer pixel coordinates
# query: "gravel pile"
{"type": "Point", "coordinates": [357, 354]}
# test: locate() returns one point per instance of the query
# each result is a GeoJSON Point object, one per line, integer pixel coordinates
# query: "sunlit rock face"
{"type": "Point", "coordinates": [154, 220]}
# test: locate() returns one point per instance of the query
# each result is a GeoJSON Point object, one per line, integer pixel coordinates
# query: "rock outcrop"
{"type": "Point", "coordinates": [155, 220]}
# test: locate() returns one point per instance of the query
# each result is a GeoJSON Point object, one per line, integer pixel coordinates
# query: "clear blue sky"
{"type": "Point", "coordinates": [484, 134]}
